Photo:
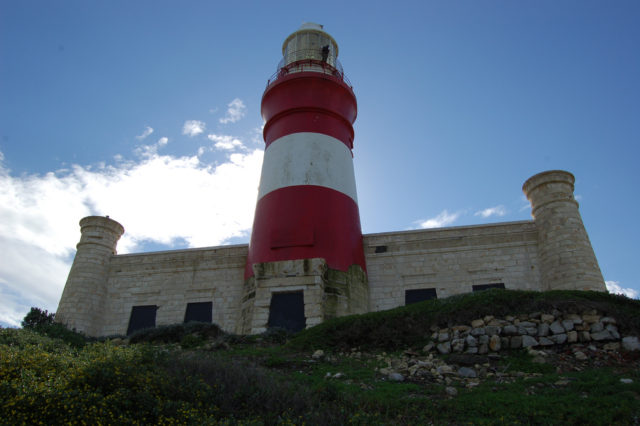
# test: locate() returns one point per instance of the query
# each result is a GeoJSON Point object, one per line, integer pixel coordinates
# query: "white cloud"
{"type": "Point", "coordinates": [235, 111]}
{"type": "Point", "coordinates": [615, 288]}
{"type": "Point", "coordinates": [147, 131]}
{"type": "Point", "coordinates": [492, 211]}
{"type": "Point", "coordinates": [257, 134]}
{"type": "Point", "coordinates": [29, 276]}
{"type": "Point", "coordinates": [193, 127]}
{"type": "Point", "coordinates": [147, 150]}
{"type": "Point", "coordinates": [157, 198]}
{"type": "Point", "coordinates": [225, 142]}
{"type": "Point", "coordinates": [443, 219]}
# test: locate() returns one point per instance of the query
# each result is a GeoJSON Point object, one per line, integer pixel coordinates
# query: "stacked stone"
{"type": "Point", "coordinates": [590, 335]}
{"type": "Point", "coordinates": [82, 305]}
{"type": "Point", "coordinates": [567, 260]}
{"type": "Point", "coordinates": [490, 334]}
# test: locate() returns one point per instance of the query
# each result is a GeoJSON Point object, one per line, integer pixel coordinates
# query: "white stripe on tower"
{"type": "Point", "coordinates": [308, 159]}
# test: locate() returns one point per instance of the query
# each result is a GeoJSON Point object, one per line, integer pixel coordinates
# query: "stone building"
{"type": "Point", "coordinates": [308, 260]}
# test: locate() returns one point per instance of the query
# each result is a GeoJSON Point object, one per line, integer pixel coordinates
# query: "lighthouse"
{"type": "Point", "coordinates": [306, 261]}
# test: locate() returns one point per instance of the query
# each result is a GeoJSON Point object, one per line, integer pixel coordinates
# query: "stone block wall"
{"type": "Point", "coordinates": [538, 329]}
{"type": "Point", "coordinates": [172, 279]}
{"type": "Point", "coordinates": [450, 260]}
{"type": "Point", "coordinates": [345, 292]}
{"type": "Point", "coordinates": [551, 252]}
{"type": "Point", "coordinates": [327, 293]}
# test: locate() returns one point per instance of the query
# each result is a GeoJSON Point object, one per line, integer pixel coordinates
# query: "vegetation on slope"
{"type": "Point", "coordinates": [409, 326]}
{"type": "Point", "coordinates": [195, 374]}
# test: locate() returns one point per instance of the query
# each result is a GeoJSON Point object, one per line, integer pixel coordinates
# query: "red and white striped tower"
{"type": "Point", "coordinates": [307, 204]}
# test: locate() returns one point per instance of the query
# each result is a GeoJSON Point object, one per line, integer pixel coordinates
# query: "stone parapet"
{"type": "Point", "coordinates": [101, 232]}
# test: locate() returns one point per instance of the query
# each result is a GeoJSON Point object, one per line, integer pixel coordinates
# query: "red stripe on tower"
{"type": "Point", "coordinates": [307, 203]}
{"type": "Point", "coordinates": [309, 102]}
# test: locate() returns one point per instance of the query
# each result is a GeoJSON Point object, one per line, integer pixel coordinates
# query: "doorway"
{"type": "Point", "coordinates": [287, 311]}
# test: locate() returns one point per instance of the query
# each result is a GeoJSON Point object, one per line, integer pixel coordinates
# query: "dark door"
{"type": "Point", "coordinates": [287, 311]}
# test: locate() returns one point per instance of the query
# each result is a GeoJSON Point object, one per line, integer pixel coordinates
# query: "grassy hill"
{"type": "Point", "coordinates": [196, 374]}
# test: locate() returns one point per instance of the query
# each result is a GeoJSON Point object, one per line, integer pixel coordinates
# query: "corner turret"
{"type": "Point", "coordinates": [81, 306]}
{"type": "Point", "coordinates": [567, 260]}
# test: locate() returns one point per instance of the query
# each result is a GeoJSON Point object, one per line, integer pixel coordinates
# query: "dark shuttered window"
{"type": "Point", "coordinates": [482, 287]}
{"type": "Point", "coordinates": [142, 317]}
{"type": "Point", "coordinates": [200, 311]}
{"type": "Point", "coordinates": [419, 295]}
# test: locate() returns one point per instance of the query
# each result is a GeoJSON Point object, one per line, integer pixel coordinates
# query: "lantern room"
{"type": "Point", "coordinates": [310, 42]}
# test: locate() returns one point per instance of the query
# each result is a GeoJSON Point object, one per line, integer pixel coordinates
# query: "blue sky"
{"type": "Point", "coordinates": [149, 111]}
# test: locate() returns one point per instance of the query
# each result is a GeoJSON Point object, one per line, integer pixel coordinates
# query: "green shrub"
{"type": "Point", "coordinates": [42, 322]}
{"type": "Point", "coordinates": [46, 381]}
{"type": "Point", "coordinates": [142, 384]}
{"type": "Point", "coordinates": [277, 335]}
{"type": "Point", "coordinates": [26, 338]}
{"type": "Point", "coordinates": [101, 383]}
{"type": "Point", "coordinates": [175, 333]}
{"type": "Point", "coordinates": [243, 390]}
{"type": "Point", "coordinates": [410, 325]}
{"type": "Point", "coordinates": [36, 317]}
{"type": "Point", "coordinates": [191, 341]}
{"type": "Point", "coordinates": [60, 331]}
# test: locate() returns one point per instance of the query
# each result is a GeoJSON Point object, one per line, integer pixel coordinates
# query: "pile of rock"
{"type": "Point", "coordinates": [435, 369]}
{"type": "Point", "coordinates": [568, 340]}
{"type": "Point", "coordinates": [466, 370]}
{"type": "Point", "coordinates": [490, 334]}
